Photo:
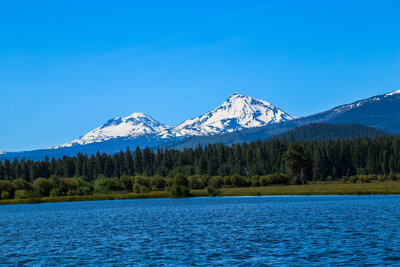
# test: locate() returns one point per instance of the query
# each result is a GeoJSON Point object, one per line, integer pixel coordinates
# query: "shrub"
{"type": "Point", "coordinates": [44, 186]}
{"type": "Point", "coordinates": [392, 177]}
{"type": "Point", "coordinates": [106, 185]}
{"type": "Point", "coordinates": [353, 179]}
{"type": "Point", "coordinates": [265, 180]}
{"type": "Point", "coordinates": [212, 192]}
{"type": "Point", "coordinates": [83, 190]}
{"type": "Point", "coordinates": [284, 178]}
{"type": "Point", "coordinates": [239, 181]}
{"type": "Point", "coordinates": [128, 181]}
{"type": "Point", "coordinates": [21, 194]}
{"type": "Point", "coordinates": [71, 185]}
{"type": "Point", "coordinates": [6, 189]}
{"type": "Point", "coordinates": [180, 190]}
{"type": "Point", "coordinates": [381, 178]}
{"type": "Point", "coordinates": [136, 188]}
{"type": "Point", "coordinates": [255, 180]}
{"type": "Point", "coordinates": [227, 181]}
{"type": "Point", "coordinates": [5, 195]}
{"type": "Point", "coordinates": [180, 186]}
{"type": "Point", "coordinates": [181, 180]}
{"type": "Point", "coordinates": [142, 180]}
{"type": "Point", "coordinates": [365, 178]}
{"type": "Point", "coordinates": [157, 183]}
{"type": "Point", "coordinates": [195, 182]}
{"type": "Point", "coordinates": [26, 194]}
{"type": "Point", "coordinates": [21, 184]}
{"type": "Point", "coordinates": [56, 192]}
{"type": "Point", "coordinates": [144, 189]}
{"type": "Point", "coordinates": [169, 182]}
{"type": "Point", "coordinates": [216, 182]}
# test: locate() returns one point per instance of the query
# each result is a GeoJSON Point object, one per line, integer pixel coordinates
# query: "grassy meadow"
{"type": "Point", "coordinates": [317, 188]}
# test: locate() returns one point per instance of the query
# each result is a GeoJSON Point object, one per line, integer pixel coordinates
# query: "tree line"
{"type": "Point", "coordinates": [213, 167]}
{"type": "Point", "coordinates": [312, 160]}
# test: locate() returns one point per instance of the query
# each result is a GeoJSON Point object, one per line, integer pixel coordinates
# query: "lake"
{"type": "Point", "coordinates": [303, 230]}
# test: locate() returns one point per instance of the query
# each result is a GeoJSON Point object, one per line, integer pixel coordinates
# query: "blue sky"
{"type": "Point", "coordinates": [66, 67]}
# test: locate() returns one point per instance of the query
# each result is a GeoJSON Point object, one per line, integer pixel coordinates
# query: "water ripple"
{"type": "Point", "coordinates": [242, 231]}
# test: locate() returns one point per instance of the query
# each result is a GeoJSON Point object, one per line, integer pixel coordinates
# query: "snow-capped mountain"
{"type": "Point", "coordinates": [237, 112]}
{"type": "Point", "coordinates": [131, 126]}
{"type": "Point", "coordinates": [381, 112]}
{"type": "Point", "coordinates": [257, 118]}
{"type": "Point", "coordinates": [362, 111]}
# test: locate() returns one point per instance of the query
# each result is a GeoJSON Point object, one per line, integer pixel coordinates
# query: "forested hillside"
{"type": "Point", "coordinates": [325, 131]}
{"type": "Point", "coordinates": [322, 159]}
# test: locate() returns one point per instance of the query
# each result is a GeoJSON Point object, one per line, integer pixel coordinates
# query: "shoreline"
{"type": "Point", "coordinates": [314, 189]}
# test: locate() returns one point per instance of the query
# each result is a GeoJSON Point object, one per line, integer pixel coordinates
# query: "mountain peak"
{"type": "Point", "coordinates": [133, 125]}
{"type": "Point", "coordinates": [137, 115]}
{"type": "Point", "coordinates": [237, 112]}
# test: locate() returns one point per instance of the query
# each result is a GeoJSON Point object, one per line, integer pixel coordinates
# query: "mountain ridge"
{"type": "Point", "coordinates": [236, 113]}
{"type": "Point", "coordinates": [380, 112]}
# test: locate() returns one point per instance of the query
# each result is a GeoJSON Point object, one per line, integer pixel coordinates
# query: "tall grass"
{"type": "Point", "coordinates": [385, 188]}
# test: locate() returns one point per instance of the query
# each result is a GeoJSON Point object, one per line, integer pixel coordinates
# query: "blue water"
{"type": "Point", "coordinates": [326, 230]}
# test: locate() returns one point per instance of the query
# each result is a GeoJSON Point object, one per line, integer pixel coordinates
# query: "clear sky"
{"type": "Point", "coordinates": [66, 67]}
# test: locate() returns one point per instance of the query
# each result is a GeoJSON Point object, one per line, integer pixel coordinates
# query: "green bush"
{"type": "Point", "coordinates": [128, 181]}
{"type": "Point", "coordinates": [157, 183]}
{"type": "Point", "coordinates": [71, 186]}
{"type": "Point", "coordinates": [216, 182]}
{"type": "Point", "coordinates": [21, 184]}
{"type": "Point", "coordinates": [6, 189]}
{"type": "Point", "coordinates": [180, 186]}
{"type": "Point", "coordinates": [21, 194]}
{"type": "Point", "coordinates": [255, 180]}
{"type": "Point", "coordinates": [56, 192]}
{"type": "Point", "coordinates": [180, 191]}
{"type": "Point", "coordinates": [144, 189]}
{"type": "Point", "coordinates": [136, 188]}
{"type": "Point", "coordinates": [195, 182]}
{"type": "Point", "coordinates": [366, 178]}
{"type": "Point", "coordinates": [26, 194]}
{"type": "Point", "coordinates": [239, 181]}
{"type": "Point", "coordinates": [83, 191]}
{"type": "Point", "coordinates": [392, 177]}
{"type": "Point", "coordinates": [44, 185]}
{"type": "Point", "coordinates": [181, 180]}
{"type": "Point", "coordinates": [169, 182]}
{"type": "Point", "coordinates": [265, 180]}
{"type": "Point", "coordinates": [142, 180]}
{"type": "Point", "coordinates": [353, 179]}
{"type": "Point", "coordinates": [227, 181]}
{"type": "Point", "coordinates": [213, 192]}
{"type": "Point", "coordinates": [106, 185]}
{"type": "Point", "coordinates": [5, 195]}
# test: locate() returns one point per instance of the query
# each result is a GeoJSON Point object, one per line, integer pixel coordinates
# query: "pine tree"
{"type": "Point", "coordinates": [296, 163]}
{"type": "Point", "coordinates": [138, 161]}
{"type": "Point", "coordinates": [128, 163]}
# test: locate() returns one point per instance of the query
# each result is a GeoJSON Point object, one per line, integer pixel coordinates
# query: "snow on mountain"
{"type": "Point", "coordinates": [236, 113]}
{"type": "Point", "coordinates": [393, 93]}
{"type": "Point", "coordinates": [344, 109]}
{"type": "Point", "coordinates": [134, 125]}
{"type": "Point", "coordinates": [360, 103]}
